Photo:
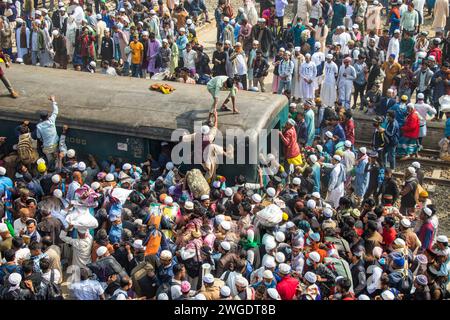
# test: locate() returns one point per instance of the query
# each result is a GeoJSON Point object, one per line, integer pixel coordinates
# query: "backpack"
{"type": "Point", "coordinates": [51, 290]}
{"type": "Point", "coordinates": [27, 154]}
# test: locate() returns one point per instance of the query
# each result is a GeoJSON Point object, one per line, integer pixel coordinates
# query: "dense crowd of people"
{"type": "Point", "coordinates": [331, 223]}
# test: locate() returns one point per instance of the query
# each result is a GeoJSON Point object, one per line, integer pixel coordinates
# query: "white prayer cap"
{"type": "Point", "coordinates": [396, 31]}
{"type": "Point", "coordinates": [273, 293]}
{"type": "Point", "coordinates": [363, 296]}
{"type": "Point", "coordinates": [316, 195]}
{"type": "Point", "coordinates": [95, 185]}
{"type": "Point", "coordinates": [256, 198]}
{"type": "Point", "coordinates": [60, 4]}
{"type": "Point", "coordinates": [282, 49]}
{"type": "Point", "coordinates": [348, 143]}
{"type": "Point", "coordinates": [400, 242]}
{"type": "Point", "coordinates": [329, 56]}
{"type": "Point", "coordinates": [109, 177]}
{"type": "Point", "coordinates": [279, 257]}
{"type": "Point", "coordinates": [292, 122]}
{"type": "Point", "coordinates": [293, 105]}
{"type": "Point", "coordinates": [271, 192]}
{"type": "Point", "coordinates": [411, 170]}
{"type": "Point", "coordinates": [255, 42]}
{"type": "Point", "coordinates": [199, 296]}
{"type": "Point", "coordinates": [182, 30]}
{"type": "Point", "coordinates": [137, 244]}
{"type": "Point", "coordinates": [311, 204]}
{"type": "Point", "coordinates": [81, 166]}
{"type": "Point", "coordinates": [188, 21]}
{"type": "Point", "coordinates": [297, 49]}
{"type": "Point", "coordinates": [329, 134]}
{"type": "Point", "coordinates": [57, 193]}
{"type": "Point", "coordinates": [70, 153]}
{"type": "Point", "coordinates": [225, 291]}
{"type": "Point", "coordinates": [56, 178]}
{"type": "Point", "coordinates": [98, 16]}
{"type": "Point", "coordinates": [226, 19]}
{"type": "Point", "coordinates": [38, 22]}
{"type": "Point", "coordinates": [241, 10]}
{"type": "Point", "coordinates": [123, 10]}
{"type": "Point", "coordinates": [288, 52]}
{"type": "Point", "coordinates": [93, 64]}
{"type": "Point", "coordinates": [261, 20]}
{"type": "Point", "coordinates": [168, 200]}
{"type": "Point", "coordinates": [44, 10]}
{"type": "Point", "coordinates": [317, 45]}
{"type": "Point", "coordinates": [14, 279]}
{"type": "Point", "coordinates": [327, 212]}
{"type": "Point", "coordinates": [355, 26]}
{"type": "Point", "coordinates": [284, 268]}
{"type": "Point", "coordinates": [337, 158]}
{"type": "Point", "coordinates": [308, 55]}
{"type": "Point", "coordinates": [163, 296]}
{"type": "Point", "coordinates": [145, 33]}
{"type": "Point", "coordinates": [166, 254]}
{"type": "Point", "coordinates": [62, 9]}
{"type": "Point", "coordinates": [269, 263]}
{"type": "Point", "coordinates": [101, 251]}
{"type": "Point", "coordinates": [279, 236]}
{"type": "Point", "coordinates": [296, 181]}
{"type": "Point", "coordinates": [442, 239]}
{"type": "Point", "coordinates": [225, 245]}
{"type": "Point", "coordinates": [38, 13]}
{"type": "Point", "coordinates": [363, 150]}
{"type": "Point", "coordinates": [387, 295]}
{"type": "Point", "coordinates": [3, 227]}
{"type": "Point", "coordinates": [19, 20]}
{"type": "Point", "coordinates": [267, 274]}
{"type": "Point", "coordinates": [313, 158]}
{"type": "Point", "coordinates": [427, 211]}
{"type": "Point", "coordinates": [55, 32]}
{"type": "Point", "coordinates": [209, 278]}
{"type": "Point", "coordinates": [205, 129]}
{"type": "Point", "coordinates": [319, 148]}
{"type": "Point", "coordinates": [416, 165]}
{"type": "Point", "coordinates": [226, 225]}
{"type": "Point", "coordinates": [126, 166]}
{"type": "Point", "coordinates": [241, 281]}
{"type": "Point", "coordinates": [270, 245]}
{"type": "Point", "coordinates": [227, 42]}
{"type": "Point", "coordinates": [204, 197]}
{"type": "Point", "coordinates": [228, 192]}
{"type": "Point", "coordinates": [405, 222]}
{"type": "Point", "coordinates": [310, 277]}
{"type": "Point", "coordinates": [289, 225]}
{"type": "Point", "coordinates": [420, 96]}
{"type": "Point", "coordinates": [314, 256]}
{"type": "Point", "coordinates": [165, 41]}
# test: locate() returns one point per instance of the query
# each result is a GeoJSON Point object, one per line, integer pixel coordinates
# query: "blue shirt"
{"type": "Point", "coordinates": [86, 290]}
{"type": "Point", "coordinates": [115, 234]}
{"type": "Point", "coordinates": [447, 128]}
{"type": "Point", "coordinates": [181, 42]}
{"type": "Point", "coordinates": [339, 132]}
{"type": "Point", "coordinates": [5, 183]}
{"type": "Point", "coordinates": [46, 130]}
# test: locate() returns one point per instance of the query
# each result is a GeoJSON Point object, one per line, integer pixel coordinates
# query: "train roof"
{"type": "Point", "coordinates": [124, 105]}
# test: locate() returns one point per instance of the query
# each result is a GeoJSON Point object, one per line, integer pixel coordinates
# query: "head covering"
{"type": "Point", "coordinates": [256, 198]}
{"type": "Point", "coordinates": [3, 227]}
{"type": "Point", "coordinates": [416, 165]}
{"type": "Point", "coordinates": [337, 158]}
{"type": "Point", "coordinates": [348, 59]}
{"type": "Point", "coordinates": [14, 279]}
{"type": "Point", "coordinates": [387, 295]}
{"type": "Point", "coordinates": [225, 245]}
{"type": "Point", "coordinates": [363, 296]}
{"type": "Point", "coordinates": [310, 277]}
{"type": "Point", "coordinates": [314, 257]}
{"type": "Point", "coordinates": [316, 195]}
{"type": "Point", "coordinates": [166, 254]}
{"type": "Point", "coordinates": [292, 122]}
{"type": "Point", "coordinates": [109, 177]}
{"type": "Point", "coordinates": [271, 192]}
{"type": "Point", "coordinates": [209, 278]}
{"type": "Point", "coordinates": [311, 204]}
{"type": "Point", "coordinates": [296, 181]}
{"type": "Point", "coordinates": [226, 225]}
{"type": "Point", "coordinates": [329, 134]}
{"type": "Point", "coordinates": [427, 211]}
{"type": "Point", "coordinates": [363, 150]}
{"type": "Point", "coordinates": [348, 143]}
{"type": "Point", "coordinates": [284, 268]}
{"type": "Point", "coordinates": [204, 197]}
{"type": "Point", "coordinates": [273, 293]}
{"type": "Point", "coordinates": [442, 239]}
{"type": "Point", "coordinates": [185, 287]}
{"type": "Point", "coordinates": [101, 251]}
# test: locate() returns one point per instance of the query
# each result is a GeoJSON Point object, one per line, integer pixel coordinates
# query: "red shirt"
{"type": "Point", "coordinates": [389, 235]}
{"type": "Point", "coordinates": [287, 288]}
{"type": "Point", "coordinates": [349, 128]}
{"type": "Point", "coordinates": [289, 139]}
{"type": "Point", "coordinates": [411, 127]}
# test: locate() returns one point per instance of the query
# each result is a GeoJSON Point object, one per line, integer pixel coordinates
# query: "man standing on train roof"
{"type": "Point", "coordinates": [5, 80]}
{"type": "Point", "coordinates": [214, 86]}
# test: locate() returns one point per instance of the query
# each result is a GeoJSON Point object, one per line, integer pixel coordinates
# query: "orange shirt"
{"type": "Point", "coordinates": [137, 51]}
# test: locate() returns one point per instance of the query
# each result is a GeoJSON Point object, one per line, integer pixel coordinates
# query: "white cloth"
{"type": "Point", "coordinates": [296, 78]}
{"type": "Point", "coordinates": [393, 48]}
{"type": "Point", "coordinates": [19, 226]}
{"type": "Point", "coordinates": [308, 71]}
{"type": "Point", "coordinates": [328, 91]}
{"type": "Point", "coordinates": [56, 276]}
{"type": "Point", "coordinates": [81, 248]}
{"type": "Point", "coordinates": [348, 160]}
{"type": "Point", "coordinates": [335, 189]}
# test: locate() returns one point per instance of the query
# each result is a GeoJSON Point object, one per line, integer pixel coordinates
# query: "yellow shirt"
{"type": "Point", "coordinates": [137, 50]}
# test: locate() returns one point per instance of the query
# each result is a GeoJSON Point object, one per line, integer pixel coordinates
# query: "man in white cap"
{"type": "Point", "coordinates": [328, 90]}
{"type": "Point", "coordinates": [424, 110]}
{"type": "Point", "coordinates": [287, 286]}
{"type": "Point", "coordinates": [308, 73]}
{"type": "Point", "coordinates": [346, 76]}
{"type": "Point", "coordinates": [81, 246]}
{"type": "Point", "coordinates": [336, 185]}
{"type": "Point", "coordinates": [211, 287]}
{"type": "Point", "coordinates": [361, 182]}
{"type": "Point", "coordinates": [285, 70]}
{"type": "Point", "coordinates": [427, 230]}
{"type": "Point", "coordinates": [244, 292]}
{"type": "Point", "coordinates": [225, 293]}
{"type": "Point", "coordinates": [228, 31]}
{"type": "Point", "coordinates": [407, 233]}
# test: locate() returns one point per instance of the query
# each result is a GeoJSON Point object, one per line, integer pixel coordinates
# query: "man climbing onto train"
{"type": "Point", "coordinates": [214, 86]}
{"type": "Point", "coordinates": [5, 80]}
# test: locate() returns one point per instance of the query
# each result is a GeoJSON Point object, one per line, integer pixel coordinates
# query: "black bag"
{"type": "Point", "coordinates": [51, 290]}
{"type": "Point", "coordinates": [27, 59]}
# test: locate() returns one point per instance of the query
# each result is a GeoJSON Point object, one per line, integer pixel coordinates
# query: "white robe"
{"type": "Point", "coordinates": [81, 249]}
{"type": "Point", "coordinates": [393, 48]}
{"type": "Point", "coordinates": [308, 71]}
{"type": "Point", "coordinates": [335, 189]}
{"type": "Point", "coordinates": [328, 91]}
{"type": "Point", "coordinates": [296, 87]}
{"type": "Point", "coordinates": [345, 84]}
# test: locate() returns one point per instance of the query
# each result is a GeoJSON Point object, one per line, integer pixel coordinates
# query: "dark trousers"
{"type": "Point", "coordinates": [243, 79]}
{"type": "Point", "coordinates": [359, 89]}
{"type": "Point", "coordinates": [136, 71]}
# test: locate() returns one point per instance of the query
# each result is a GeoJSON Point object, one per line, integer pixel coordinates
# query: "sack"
{"type": "Point", "coordinates": [270, 216]}
{"type": "Point", "coordinates": [27, 59]}
{"type": "Point", "coordinates": [228, 11]}
{"type": "Point", "coordinates": [419, 190]}
{"type": "Point", "coordinates": [27, 154]}
{"type": "Point", "coordinates": [152, 242]}
{"type": "Point", "coordinates": [197, 183]}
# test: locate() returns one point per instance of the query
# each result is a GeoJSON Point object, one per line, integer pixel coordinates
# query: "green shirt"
{"type": "Point", "coordinates": [215, 85]}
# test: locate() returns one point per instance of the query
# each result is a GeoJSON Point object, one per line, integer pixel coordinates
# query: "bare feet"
{"type": "Point", "coordinates": [14, 94]}
{"type": "Point", "coordinates": [236, 111]}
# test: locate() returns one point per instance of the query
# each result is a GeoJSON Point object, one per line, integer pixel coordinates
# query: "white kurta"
{"type": "Point", "coordinates": [303, 9]}
{"type": "Point", "coordinates": [328, 91]}
{"type": "Point", "coordinates": [81, 249]}
{"type": "Point", "coordinates": [393, 48]}
{"type": "Point", "coordinates": [335, 189]}
{"type": "Point", "coordinates": [441, 12]}
{"type": "Point", "coordinates": [345, 84]}
{"type": "Point", "coordinates": [308, 71]}
{"type": "Point", "coordinates": [296, 85]}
